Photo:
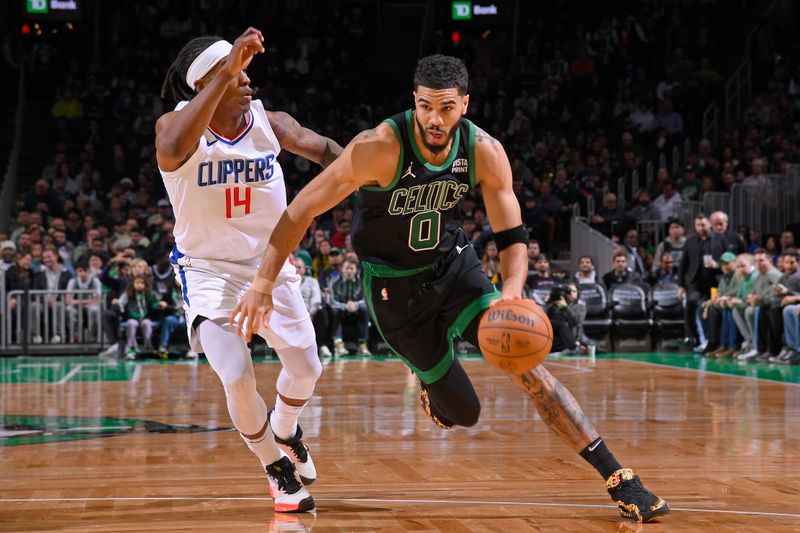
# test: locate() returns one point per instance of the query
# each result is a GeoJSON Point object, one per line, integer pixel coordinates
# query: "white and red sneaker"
{"type": "Point", "coordinates": [297, 451]}
{"type": "Point", "coordinates": [286, 488]}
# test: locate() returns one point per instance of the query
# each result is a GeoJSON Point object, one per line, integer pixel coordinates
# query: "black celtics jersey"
{"type": "Point", "coordinates": [413, 221]}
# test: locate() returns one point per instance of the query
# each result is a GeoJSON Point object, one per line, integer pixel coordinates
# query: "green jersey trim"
{"type": "Point", "coordinates": [471, 154]}
{"type": "Point", "coordinates": [384, 271]}
{"type": "Point", "coordinates": [399, 168]}
{"type": "Point", "coordinates": [413, 142]}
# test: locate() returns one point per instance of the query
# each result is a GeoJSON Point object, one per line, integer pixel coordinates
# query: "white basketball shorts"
{"type": "Point", "coordinates": [212, 289]}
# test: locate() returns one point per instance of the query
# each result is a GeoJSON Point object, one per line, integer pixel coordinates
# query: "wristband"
{"type": "Point", "coordinates": [262, 285]}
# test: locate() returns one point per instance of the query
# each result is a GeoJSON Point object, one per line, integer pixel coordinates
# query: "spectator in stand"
{"type": "Point", "coordinates": [41, 195]}
{"type": "Point", "coordinates": [163, 277]}
{"type": "Point", "coordinates": [771, 246]}
{"type": "Point", "coordinates": [609, 220]}
{"type": "Point", "coordinates": [550, 207]}
{"type": "Point", "coordinates": [541, 275]}
{"type": "Point", "coordinates": [348, 303]}
{"type": "Point", "coordinates": [670, 120]}
{"type": "Point", "coordinates": [312, 296]}
{"type": "Point", "coordinates": [748, 274]}
{"type": "Point", "coordinates": [791, 329]}
{"type": "Point", "coordinates": [631, 245]}
{"type": "Point", "coordinates": [84, 248]}
{"type": "Point", "coordinates": [720, 326]}
{"type": "Point", "coordinates": [7, 252]}
{"type": "Point", "coordinates": [566, 315]}
{"type": "Point", "coordinates": [64, 248]}
{"type": "Point", "coordinates": [586, 271]}
{"type": "Point", "coordinates": [138, 242]}
{"type": "Point", "coordinates": [322, 261]}
{"type": "Point", "coordinates": [620, 273]}
{"type": "Point", "coordinates": [762, 290]}
{"type": "Point", "coordinates": [719, 223]}
{"type": "Point", "coordinates": [565, 191]}
{"type": "Point", "coordinates": [666, 272]}
{"type": "Point", "coordinates": [787, 240]}
{"type": "Point", "coordinates": [643, 210]}
{"type": "Point", "coordinates": [674, 244]}
{"type": "Point", "coordinates": [698, 272]}
{"type": "Point", "coordinates": [18, 278]}
{"type": "Point", "coordinates": [668, 203]}
{"type": "Point", "coordinates": [770, 311]}
{"type": "Point", "coordinates": [490, 263]}
{"type": "Point", "coordinates": [757, 179]}
{"type": "Point", "coordinates": [115, 277]}
{"type": "Point", "coordinates": [139, 306]}
{"type": "Point", "coordinates": [339, 238]}
{"type": "Point", "coordinates": [534, 250]}
{"type": "Point", "coordinates": [54, 277]}
{"type": "Point", "coordinates": [689, 185]}
{"type": "Point", "coordinates": [642, 118]}
{"type": "Point", "coordinates": [84, 304]}
{"type": "Point", "coordinates": [334, 270]}
{"type": "Point", "coordinates": [173, 318]}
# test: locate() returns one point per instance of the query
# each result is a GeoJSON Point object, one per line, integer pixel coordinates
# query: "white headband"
{"type": "Point", "coordinates": [206, 61]}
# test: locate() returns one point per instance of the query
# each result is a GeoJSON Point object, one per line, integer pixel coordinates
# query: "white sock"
{"type": "Point", "coordinates": [264, 448]}
{"type": "Point", "coordinates": [284, 418]}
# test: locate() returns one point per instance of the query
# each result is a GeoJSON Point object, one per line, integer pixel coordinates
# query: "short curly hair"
{"type": "Point", "coordinates": [441, 72]}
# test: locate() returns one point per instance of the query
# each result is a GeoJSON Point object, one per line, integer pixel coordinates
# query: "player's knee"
{"type": "Point", "coordinates": [241, 388]}
{"type": "Point", "coordinates": [302, 364]}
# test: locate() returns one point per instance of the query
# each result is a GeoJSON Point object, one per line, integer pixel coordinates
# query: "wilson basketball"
{"type": "Point", "coordinates": [515, 335]}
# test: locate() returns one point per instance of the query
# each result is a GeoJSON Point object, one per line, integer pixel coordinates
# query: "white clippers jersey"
{"type": "Point", "coordinates": [229, 195]}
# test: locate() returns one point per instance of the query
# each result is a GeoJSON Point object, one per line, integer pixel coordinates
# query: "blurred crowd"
{"type": "Point", "coordinates": [578, 103]}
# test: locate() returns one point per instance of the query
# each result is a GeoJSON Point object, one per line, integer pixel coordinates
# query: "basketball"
{"type": "Point", "coordinates": [515, 335]}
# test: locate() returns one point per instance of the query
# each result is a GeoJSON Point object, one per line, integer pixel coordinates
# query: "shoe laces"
{"type": "Point", "coordinates": [282, 473]}
{"type": "Point", "coordinates": [300, 449]}
{"type": "Point", "coordinates": [626, 486]}
{"type": "Point", "coordinates": [296, 444]}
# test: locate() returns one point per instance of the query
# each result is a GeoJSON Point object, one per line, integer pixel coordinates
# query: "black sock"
{"type": "Point", "coordinates": [600, 458]}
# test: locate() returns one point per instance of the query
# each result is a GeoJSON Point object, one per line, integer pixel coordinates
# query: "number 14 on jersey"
{"type": "Point", "coordinates": [237, 197]}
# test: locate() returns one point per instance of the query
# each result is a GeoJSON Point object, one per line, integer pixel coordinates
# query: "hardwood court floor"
{"type": "Point", "coordinates": [723, 450]}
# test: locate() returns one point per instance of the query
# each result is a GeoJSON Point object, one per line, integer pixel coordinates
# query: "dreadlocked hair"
{"type": "Point", "coordinates": [175, 86]}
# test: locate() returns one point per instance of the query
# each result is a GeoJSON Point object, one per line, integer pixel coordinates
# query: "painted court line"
{"type": "Point", "coordinates": [702, 370]}
{"type": "Point", "coordinates": [389, 500]}
{"type": "Point", "coordinates": [69, 375]}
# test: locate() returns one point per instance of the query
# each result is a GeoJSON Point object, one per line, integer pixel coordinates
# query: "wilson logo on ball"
{"type": "Point", "coordinates": [511, 316]}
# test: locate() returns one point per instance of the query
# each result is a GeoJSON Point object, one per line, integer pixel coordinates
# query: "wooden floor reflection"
{"type": "Point", "coordinates": [724, 451]}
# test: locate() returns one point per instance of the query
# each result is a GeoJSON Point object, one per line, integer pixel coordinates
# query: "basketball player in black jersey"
{"type": "Point", "coordinates": [423, 281]}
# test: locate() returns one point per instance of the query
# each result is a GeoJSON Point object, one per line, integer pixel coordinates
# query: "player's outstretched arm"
{"type": "Point", "coordinates": [178, 132]}
{"type": "Point", "coordinates": [502, 208]}
{"type": "Point", "coordinates": [303, 141]}
{"type": "Point", "coordinates": [369, 158]}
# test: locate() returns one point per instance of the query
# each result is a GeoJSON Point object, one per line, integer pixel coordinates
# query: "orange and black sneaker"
{"type": "Point", "coordinates": [635, 502]}
{"type": "Point", "coordinates": [426, 404]}
{"type": "Point", "coordinates": [286, 488]}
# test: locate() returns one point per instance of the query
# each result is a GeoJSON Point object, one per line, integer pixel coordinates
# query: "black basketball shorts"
{"type": "Point", "coordinates": [419, 312]}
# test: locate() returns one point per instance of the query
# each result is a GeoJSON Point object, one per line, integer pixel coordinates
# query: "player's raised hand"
{"type": "Point", "coordinates": [247, 45]}
{"type": "Point", "coordinates": [252, 311]}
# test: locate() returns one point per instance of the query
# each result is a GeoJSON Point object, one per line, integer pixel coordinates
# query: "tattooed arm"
{"type": "Point", "coordinates": [557, 406]}
{"type": "Point", "coordinates": [303, 141]}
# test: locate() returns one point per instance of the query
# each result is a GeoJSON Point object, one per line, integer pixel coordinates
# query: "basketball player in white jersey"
{"type": "Point", "coordinates": [217, 153]}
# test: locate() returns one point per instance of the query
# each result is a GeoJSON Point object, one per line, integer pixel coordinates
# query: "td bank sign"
{"type": "Point", "coordinates": [42, 7]}
{"type": "Point", "coordinates": [466, 10]}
